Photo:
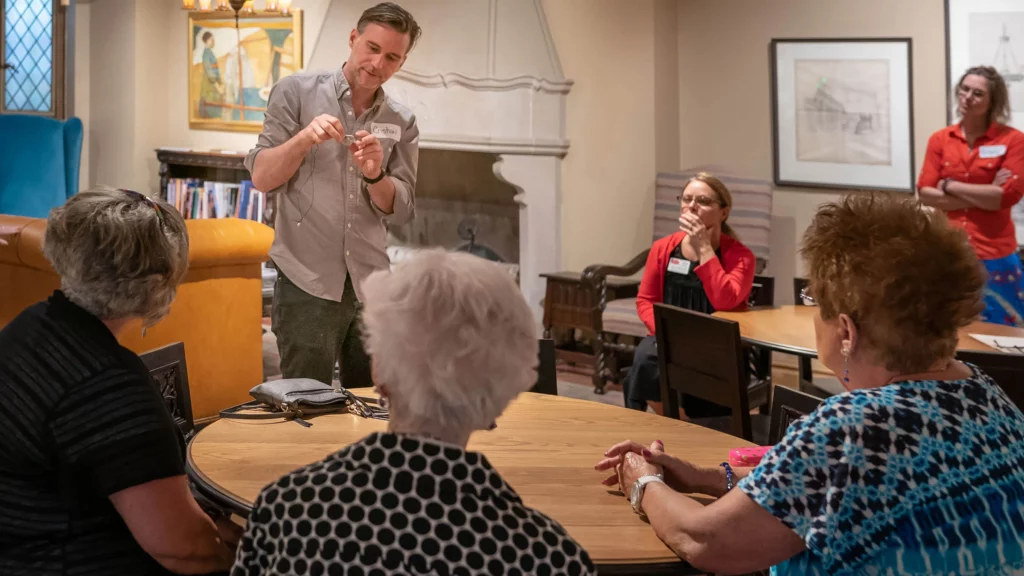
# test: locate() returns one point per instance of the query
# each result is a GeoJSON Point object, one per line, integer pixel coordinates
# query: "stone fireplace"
{"type": "Point", "coordinates": [485, 78]}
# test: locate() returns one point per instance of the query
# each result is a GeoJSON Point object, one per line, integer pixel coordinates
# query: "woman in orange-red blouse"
{"type": "Point", "coordinates": [972, 171]}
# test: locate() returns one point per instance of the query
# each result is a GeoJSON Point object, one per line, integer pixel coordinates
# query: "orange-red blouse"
{"type": "Point", "coordinates": [991, 232]}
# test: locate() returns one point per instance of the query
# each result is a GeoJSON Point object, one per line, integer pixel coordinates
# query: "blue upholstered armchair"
{"type": "Point", "coordinates": [39, 161]}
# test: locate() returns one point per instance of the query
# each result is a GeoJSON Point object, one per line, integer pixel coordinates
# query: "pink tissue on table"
{"type": "Point", "coordinates": [747, 457]}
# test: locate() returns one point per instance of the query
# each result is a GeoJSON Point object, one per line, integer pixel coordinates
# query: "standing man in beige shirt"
{"type": "Point", "coordinates": [342, 157]}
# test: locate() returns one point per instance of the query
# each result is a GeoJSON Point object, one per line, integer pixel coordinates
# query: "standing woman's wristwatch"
{"type": "Point", "coordinates": [637, 496]}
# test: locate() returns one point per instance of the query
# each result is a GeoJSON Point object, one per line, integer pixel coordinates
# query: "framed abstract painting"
{"type": "Point", "coordinates": [986, 33]}
{"type": "Point", "coordinates": [842, 113]}
{"type": "Point", "coordinates": [231, 71]}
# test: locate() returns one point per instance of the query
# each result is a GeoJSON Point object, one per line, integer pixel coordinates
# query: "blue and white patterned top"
{"type": "Point", "coordinates": [921, 477]}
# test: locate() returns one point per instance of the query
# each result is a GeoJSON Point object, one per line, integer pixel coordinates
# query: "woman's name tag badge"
{"type": "Point", "coordinates": [994, 151]}
{"type": "Point", "coordinates": [678, 265]}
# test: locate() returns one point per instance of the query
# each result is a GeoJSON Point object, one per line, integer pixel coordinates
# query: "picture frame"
{"type": "Point", "coordinates": [989, 33]}
{"type": "Point", "coordinates": [842, 113]}
{"type": "Point", "coordinates": [271, 50]}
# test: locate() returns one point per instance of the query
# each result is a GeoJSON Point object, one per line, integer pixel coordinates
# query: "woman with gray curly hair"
{"type": "Point", "coordinates": [453, 342]}
{"type": "Point", "coordinates": [92, 475]}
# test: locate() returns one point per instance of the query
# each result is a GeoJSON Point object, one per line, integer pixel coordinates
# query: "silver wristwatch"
{"type": "Point", "coordinates": [637, 496]}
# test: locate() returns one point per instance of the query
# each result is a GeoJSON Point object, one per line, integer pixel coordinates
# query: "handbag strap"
{"type": "Point", "coordinates": [359, 405]}
{"type": "Point", "coordinates": [235, 413]}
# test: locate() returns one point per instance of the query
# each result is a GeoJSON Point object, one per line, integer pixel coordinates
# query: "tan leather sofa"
{"type": "Point", "coordinates": [216, 314]}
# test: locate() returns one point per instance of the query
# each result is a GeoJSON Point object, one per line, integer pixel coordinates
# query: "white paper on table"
{"type": "Point", "coordinates": [1005, 344]}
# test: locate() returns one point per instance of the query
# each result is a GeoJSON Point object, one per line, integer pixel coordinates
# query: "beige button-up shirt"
{"type": "Point", "coordinates": [325, 224]}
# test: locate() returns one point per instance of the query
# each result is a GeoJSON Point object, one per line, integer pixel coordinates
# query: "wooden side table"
{"type": "Point", "coordinates": [570, 303]}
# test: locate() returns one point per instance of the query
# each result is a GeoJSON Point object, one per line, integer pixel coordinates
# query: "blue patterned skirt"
{"type": "Point", "coordinates": [1004, 291]}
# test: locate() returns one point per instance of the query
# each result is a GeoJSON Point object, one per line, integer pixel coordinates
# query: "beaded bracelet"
{"type": "Point", "coordinates": [728, 476]}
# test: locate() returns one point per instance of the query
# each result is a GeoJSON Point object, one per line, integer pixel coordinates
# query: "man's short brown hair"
{"type": "Point", "coordinates": [393, 16]}
{"type": "Point", "coordinates": [907, 279]}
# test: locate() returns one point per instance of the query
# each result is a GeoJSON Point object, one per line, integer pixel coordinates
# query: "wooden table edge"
{"type": "Point", "coordinates": [224, 498]}
{"type": "Point", "coordinates": [211, 490]}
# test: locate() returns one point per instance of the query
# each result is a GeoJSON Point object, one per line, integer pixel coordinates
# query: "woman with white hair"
{"type": "Point", "coordinates": [92, 477]}
{"type": "Point", "coordinates": [452, 342]}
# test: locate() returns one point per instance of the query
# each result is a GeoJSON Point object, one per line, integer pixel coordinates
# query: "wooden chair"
{"type": "Point", "coordinates": [547, 375]}
{"type": "Point", "coordinates": [788, 405]}
{"type": "Point", "coordinates": [167, 367]}
{"type": "Point", "coordinates": [702, 356]}
{"type": "Point", "coordinates": [761, 294]}
{"type": "Point", "coordinates": [799, 284]}
{"type": "Point", "coordinates": [1006, 369]}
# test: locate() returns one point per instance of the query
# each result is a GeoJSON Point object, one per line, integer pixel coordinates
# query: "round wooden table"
{"type": "Point", "coordinates": [545, 447]}
{"type": "Point", "coordinates": [790, 329]}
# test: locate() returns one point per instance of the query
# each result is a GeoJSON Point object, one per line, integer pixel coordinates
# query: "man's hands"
{"type": "Point", "coordinates": [323, 128]}
{"type": "Point", "coordinates": [368, 154]}
{"type": "Point", "coordinates": [366, 150]}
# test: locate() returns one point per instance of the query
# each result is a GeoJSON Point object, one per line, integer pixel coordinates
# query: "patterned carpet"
{"type": "Point", "coordinates": [572, 382]}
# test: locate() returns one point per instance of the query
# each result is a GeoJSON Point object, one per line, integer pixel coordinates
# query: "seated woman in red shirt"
{"type": "Point", "coordinates": [703, 268]}
{"type": "Point", "coordinates": [971, 171]}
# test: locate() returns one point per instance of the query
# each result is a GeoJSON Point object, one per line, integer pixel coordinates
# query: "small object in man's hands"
{"type": "Point", "coordinates": [349, 139]}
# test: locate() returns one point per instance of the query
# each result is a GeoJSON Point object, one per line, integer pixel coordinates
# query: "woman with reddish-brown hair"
{"type": "Point", "coordinates": [703, 268]}
{"type": "Point", "coordinates": [971, 171]}
{"type": "Point", "coordinates": [916, 469]}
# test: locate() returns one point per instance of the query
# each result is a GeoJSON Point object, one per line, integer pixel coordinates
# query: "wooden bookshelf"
{"type": "Point", "coordinates": [213, 165]}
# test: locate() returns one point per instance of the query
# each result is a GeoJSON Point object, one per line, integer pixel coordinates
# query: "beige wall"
{"type": "Point", "coordinates": [666, 85]}
{"type": "Point", "coordinates": [725, 109]}
{"type": "Point", "coordinates": [110, 133]}
{"type": "Point", "coordinates": [83, 75]}
{"type": "Point", "coordinates": [607, 49]}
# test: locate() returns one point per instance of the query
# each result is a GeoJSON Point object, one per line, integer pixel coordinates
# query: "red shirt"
{"type": "Point", "coordinates": [727, 283]}
{"type": "Point", "coordinates": [991, 232]}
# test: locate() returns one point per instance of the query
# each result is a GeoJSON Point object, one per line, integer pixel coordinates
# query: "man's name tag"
{"type": "Point", "coordinates": [391, 131]}
{"type": "Point", "coordinates": [678, 265]}
{"type": "Point", "coordinates": [994, 151]}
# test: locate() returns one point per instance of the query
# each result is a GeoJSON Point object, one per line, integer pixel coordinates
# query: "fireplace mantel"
{"type": "Point", "coordinates": [484, 77]}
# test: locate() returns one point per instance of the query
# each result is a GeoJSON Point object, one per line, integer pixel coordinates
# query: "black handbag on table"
{"type": "Point", "coordinates": [296, 398]}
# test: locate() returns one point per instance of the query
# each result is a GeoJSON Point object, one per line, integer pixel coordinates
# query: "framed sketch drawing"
{"type": "Point", "coordinates": [271, 48]}
{"type": "Point", "coordinates": [986, 33]}
{"type": "Point", "coordinates": [842, 114]}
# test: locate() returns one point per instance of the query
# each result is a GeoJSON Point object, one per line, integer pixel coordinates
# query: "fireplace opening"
{"type": "Point", "coordinates": [460, 206]}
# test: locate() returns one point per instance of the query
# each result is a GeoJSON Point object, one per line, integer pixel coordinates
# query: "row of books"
{"type": "Point", "coordinates": [196, 199]}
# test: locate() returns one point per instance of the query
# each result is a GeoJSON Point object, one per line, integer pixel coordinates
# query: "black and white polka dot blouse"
{"type": "Point", "coordinates": [393, 504]}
